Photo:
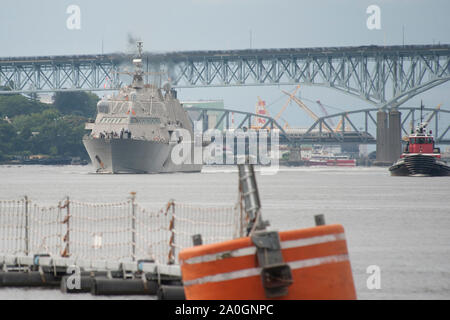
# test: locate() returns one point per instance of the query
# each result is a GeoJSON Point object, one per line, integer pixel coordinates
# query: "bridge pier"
{"type": "Point", "coordinates": [395, 136]}
{"type": "Point", "coordinates": [389, 140]}
{"type": "Point", "coordinates": [295, 154]}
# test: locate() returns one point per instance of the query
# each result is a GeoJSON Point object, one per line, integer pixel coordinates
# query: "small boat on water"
{"type": "Point", "coordinates": [420, 157]}
{"type": "Point", "coordinates": [331, 160]}
{"type": "Point", "coordinates": [321, 157]}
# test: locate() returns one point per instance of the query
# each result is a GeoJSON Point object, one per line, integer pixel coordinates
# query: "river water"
{"type": "Point", "coordinates": [400, 224]}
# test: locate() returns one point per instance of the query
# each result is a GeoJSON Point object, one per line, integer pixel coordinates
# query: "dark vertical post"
{"type": "Point", "coordinates": [228, 121]}
{"type": "Point", "coordinates": [197, 240]}
{"type": "Point", "coordinates": [319, 219]}
{"type": "Point", "coordinates": [436, 129]}
{"type": "Point", "coordinates": [366, 119]}
{"type": "Point", "coordinates": [320, 129]}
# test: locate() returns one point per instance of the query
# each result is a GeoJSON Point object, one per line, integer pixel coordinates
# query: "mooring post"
{"type": "Point", "coordinates": [133, 226]}
{"type": "Point", "coordinates": [27, 240]}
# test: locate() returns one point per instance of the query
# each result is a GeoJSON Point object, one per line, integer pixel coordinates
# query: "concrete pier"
{"type": "Point", "coordinates": [382, 128]}
{"type": "Point", "coordinates": [389, 139]}
{"type": "Point", "coordinates": [394, 136]}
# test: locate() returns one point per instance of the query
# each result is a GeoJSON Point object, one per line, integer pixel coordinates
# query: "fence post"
{"type": "Point", "coordinates": [133, 225]}
{"type": "Point", "coordinates": [66, 252]}
{"type": "Point", "coordinates": [27, 240]}
{"type": "Point", "coordinates": [171, 257]}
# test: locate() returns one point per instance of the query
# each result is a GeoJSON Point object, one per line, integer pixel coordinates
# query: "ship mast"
{"type": "Point", "coordinates": [138, 80]}
{"type": "Point", "coordinates": [421, 111]}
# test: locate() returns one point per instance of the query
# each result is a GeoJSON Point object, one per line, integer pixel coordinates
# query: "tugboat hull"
{"type": "Point", "coordinates": [419, 165]}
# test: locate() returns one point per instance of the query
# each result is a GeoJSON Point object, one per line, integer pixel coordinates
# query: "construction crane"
{"type": "Point", "coordinates": [325, 112]}
{"type": "Point", "coordinates": [305, 108]}
{"type": "Point", "coordinates": [339, 125]}
{"type": "Point", "coordinates": [291, 95]}
{"type": "Point", "coordinates": [261, 109]}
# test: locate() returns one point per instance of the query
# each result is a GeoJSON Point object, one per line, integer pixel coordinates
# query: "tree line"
{"type": "Point", "coordinates": [30, 127]}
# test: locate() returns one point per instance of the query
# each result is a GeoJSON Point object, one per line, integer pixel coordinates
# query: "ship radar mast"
{"type": "Point", "coordinates": [138, 80]}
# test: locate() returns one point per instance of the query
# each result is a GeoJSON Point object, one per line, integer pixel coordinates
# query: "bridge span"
{"type": "Point", "coordinates": [358, 126]}
{"type": "Point", "coordinates": [384, 76]}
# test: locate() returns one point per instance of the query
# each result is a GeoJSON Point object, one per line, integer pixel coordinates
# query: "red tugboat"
{"type": "Point", "coordinates": [420, 157]}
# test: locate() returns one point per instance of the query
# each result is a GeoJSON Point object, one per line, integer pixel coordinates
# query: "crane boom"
{"type": "Point", "coordinates": [302, 105]}
{"type": "Point", "coordinates": [305, 108]}
{"type": "Point", "coordinates": [291, 95]}
{"type": "Point", "coordinates": [325, 111]}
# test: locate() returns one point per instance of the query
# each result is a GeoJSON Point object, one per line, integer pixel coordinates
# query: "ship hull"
{"type": "Point", "coordinates": [133, 156]}
{"type": "Point", "coordinates": [419, 165]}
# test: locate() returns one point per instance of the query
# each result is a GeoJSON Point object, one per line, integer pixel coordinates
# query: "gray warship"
{"type": "Point", "coordinates": [136, 129]}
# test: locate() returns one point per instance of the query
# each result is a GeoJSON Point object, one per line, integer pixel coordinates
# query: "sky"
{"type": "Point", "coordinates": [36, 28]}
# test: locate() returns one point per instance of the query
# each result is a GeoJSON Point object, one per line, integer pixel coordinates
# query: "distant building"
{"type": "Point", "coordinates": [212, 116]}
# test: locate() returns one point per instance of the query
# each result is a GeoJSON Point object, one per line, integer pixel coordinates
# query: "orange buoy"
{"type": "Point", "coordinates": [317, 257]}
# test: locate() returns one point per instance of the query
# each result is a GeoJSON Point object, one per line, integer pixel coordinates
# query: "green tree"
{"type": "Point", "coordinates": [8, 139]}
{"type": "Point", "coordinates": [76, 103]}
{"type": "Point", "coordinates": [14, 105]}
{"type": "Point", "coordinates": [37, 128]}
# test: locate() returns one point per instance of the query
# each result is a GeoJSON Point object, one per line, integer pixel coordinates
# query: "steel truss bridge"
{"type": "Point", "coordinates": [382, 76]}
{"type": "Point", "coordinates": [321, 132]}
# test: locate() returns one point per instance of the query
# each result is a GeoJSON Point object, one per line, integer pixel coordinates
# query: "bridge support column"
{"type": "Point", "coordinates": [295, 153]}
{"type": "Point", "coordinates": [394, 136]}
{"type": "Point", "coordinates": [382, 130]}
{"type": "Point", "coordinates": [389, 140]}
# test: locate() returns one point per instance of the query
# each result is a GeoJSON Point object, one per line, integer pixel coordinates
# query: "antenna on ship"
{"type": "Point", "coordinates": [138, 81]}
{"type": "Point", "coordinates": [421, 111]}
{"type": "Point", "coordinates": [140, 45]}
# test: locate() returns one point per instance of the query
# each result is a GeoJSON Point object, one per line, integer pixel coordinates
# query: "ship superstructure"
{"type": "Point", "coordinates": [136, 129]}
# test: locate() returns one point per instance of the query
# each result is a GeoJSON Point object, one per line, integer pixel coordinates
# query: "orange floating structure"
{"type": "Point", "coordinates": [317, 258]}
{"type": "Point", "coordinates": [310, 263]}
